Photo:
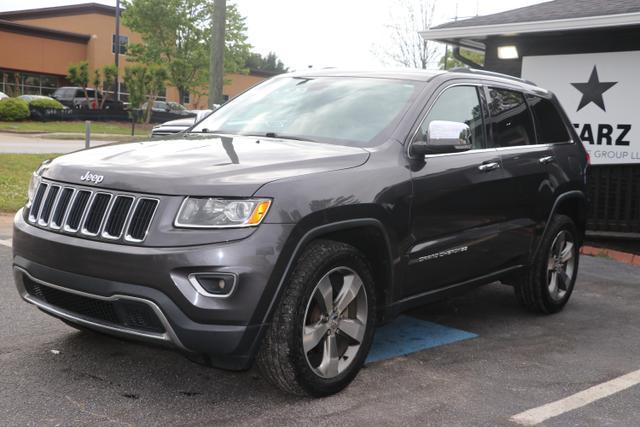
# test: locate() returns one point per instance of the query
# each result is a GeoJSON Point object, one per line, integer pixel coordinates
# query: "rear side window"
{"type": "Point", "coordinates": [457, 104]}
{"type": "Point", "coordinates": [549, 124]}
{"type": "Point", "coordinates": [511, 120]}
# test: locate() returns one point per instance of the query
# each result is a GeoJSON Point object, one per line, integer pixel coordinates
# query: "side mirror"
{"type": "Point", "coordinates": [443, 137]}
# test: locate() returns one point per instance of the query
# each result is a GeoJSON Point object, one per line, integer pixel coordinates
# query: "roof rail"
{"type": "Point", "coordinates": [490, 74]}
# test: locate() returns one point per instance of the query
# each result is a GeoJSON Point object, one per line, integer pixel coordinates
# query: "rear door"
{"type": "Point", "coordinates": [455, 214]}
{"type": "Point", "coordinates": [528, 189]}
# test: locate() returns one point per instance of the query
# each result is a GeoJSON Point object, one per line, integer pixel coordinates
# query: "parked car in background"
{"type": "Point", "coordinates": [180, 125]}
{"type": "Point", "coordinates": [74, 97]}
{"type": "Point", "coordinates": [3, 95]}
{"type": "Point", "coordinates": [167, 107]}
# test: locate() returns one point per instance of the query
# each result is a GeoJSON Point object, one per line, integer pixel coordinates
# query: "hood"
{"type": "Point", "coordinates": [188, 122]}
{"type": "Point", "coordinates": [201, 165]}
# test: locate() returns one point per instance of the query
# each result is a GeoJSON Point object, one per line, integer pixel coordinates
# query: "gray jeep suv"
{"type": "Point", "coordinates": [290, 222]}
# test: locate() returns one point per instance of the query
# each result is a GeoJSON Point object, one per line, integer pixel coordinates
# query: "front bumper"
{"type": "Point", "coordinates": [59, 273]}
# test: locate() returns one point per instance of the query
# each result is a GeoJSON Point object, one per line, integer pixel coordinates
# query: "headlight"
{"type": "Point", "coordinates": [210, 212]}
{"type": "Point", "coordinates": [34, 182]}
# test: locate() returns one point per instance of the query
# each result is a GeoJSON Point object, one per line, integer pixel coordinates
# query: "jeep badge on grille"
{"type": "Point", "coordinates": [91, 177]}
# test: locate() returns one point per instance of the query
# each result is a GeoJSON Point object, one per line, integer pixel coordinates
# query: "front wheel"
{"type": "Point", "coordinates": [548, 284]}
{"type": "Point", "coordinates": [322, 331]}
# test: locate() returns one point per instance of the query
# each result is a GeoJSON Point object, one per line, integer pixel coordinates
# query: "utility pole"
{"type": "Point", "coordinates": [116, 93]}
{"type": "Point", "coordinates": [216, 60]}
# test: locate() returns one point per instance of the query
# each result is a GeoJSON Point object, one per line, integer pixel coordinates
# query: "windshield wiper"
{"type": "Point", "coordinates": [280, 136]}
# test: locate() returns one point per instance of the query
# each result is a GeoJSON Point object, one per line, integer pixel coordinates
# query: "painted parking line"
{"type": "Point", "coordinates": [6, 242]}
{"type": "Point", "coordinates": [578, 400]}
{"type": "Point", "coordinates": [407, 335]}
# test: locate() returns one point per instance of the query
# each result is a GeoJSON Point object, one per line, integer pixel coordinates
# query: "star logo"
{"type": "Point", "coordinates": [592, 90]}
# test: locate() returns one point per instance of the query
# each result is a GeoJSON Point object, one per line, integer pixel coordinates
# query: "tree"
{"type": "Point", "coordinates": [78, 74]}
{"type": "Point", "coordinates": [109, 73]}
{"type": "Point", "coordinates": [269, 63]}
{"type": "Point", "coordinates": [405, 46]}
{"type": "Point", "coordinates": [216, 58]}
{"type": "Point", "coordinates": [177, 33]}
{"type": "Point", "coordinates": [477, 57]}
{"type": "Point", "coordinates": [97, 83]}
{"type": "Point", "coordinates": [155, 79]}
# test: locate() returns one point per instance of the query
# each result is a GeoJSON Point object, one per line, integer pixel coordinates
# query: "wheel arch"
{"type": "Point", "coordinates": [367, 235]}
{"type": "Point", "coordinates": [572, 204]}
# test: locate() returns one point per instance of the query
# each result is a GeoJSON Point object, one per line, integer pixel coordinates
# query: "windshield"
{"type": "Point", "coordinates": [342, 110]}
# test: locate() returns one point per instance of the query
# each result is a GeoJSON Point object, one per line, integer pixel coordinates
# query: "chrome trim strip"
{"type": "Point", "coordinates": [202, 291]}
{"type": "Point", "coordinates": [168, 336]}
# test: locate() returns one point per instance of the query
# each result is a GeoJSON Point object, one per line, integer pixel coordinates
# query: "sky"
{"type": "Point", "coordinates": [324, 33]}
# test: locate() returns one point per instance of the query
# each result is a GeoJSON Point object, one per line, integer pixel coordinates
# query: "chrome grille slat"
{"type": "Point", "coordinates": [34, 210]}
{"type": "Point", "coordinates": [61, 207]}
{"type": "Point", "coordinates": [49, 202]}
{"type": "Point", "coordinates": [92, 213]}
{"type": "Point", "coordinates": [143, 214]}
{"type": "Point", "coordinates": [117, 217]}
{"type": "Point", "coordinates": [96, 213]}
{"type": "Point", "coordinates": [77, 211]}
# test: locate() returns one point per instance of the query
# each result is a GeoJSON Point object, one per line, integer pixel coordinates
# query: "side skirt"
{"type": "Point", "coordinates": [447, 291]}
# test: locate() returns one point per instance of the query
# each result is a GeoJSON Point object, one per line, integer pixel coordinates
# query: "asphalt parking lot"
{"type": "Point", "coordinates": [51, 374]}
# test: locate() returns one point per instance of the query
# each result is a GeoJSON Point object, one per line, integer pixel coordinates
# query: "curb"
{"type": "Point", "coordinates": [625, 257]}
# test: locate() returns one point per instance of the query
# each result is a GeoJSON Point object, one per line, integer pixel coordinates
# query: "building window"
{"type": "Point", "coordinates": [186, 98]}
{"type": "Point", "coordinates": [124, 42]}
{"type": "Point", "coordinates": [16, 83]}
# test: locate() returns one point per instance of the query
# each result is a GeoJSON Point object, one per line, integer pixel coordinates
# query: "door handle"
{"type": "Point", "coordinates": [486, 167]}
{"type": "Point", "coordinates": [545, 160]}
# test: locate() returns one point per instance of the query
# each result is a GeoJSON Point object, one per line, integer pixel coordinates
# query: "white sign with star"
{"type": "Point", "coordinates": [601, 94]}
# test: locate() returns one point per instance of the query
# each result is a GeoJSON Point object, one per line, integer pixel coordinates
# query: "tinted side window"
{"type": "Point", "coordinates": [511, 119]}
{"type": "Point", "coordinates": [457, 104]}
{"type": "Point", "coordinates": [549, 124]}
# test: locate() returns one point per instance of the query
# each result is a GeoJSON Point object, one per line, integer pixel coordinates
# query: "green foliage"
{"type": "Point", "coordinates": [155, 80]}
{"type": "Point", "coordinates": [46, 103]}
{"type": "Point", "coordinates": [78, 75]}
{"type": "Point", "coordinates": [477, 57]}
{"type": "Point", "coordinates": [13, 109]}
{"type": "Point", "coordinates": [135, 78]}
{"type": "Point", "coordinates": [270, 63]}
{"type": "Point", "coordinates": [108, 81]}
{"type": "Point", "coordinates": [177, 34]}
{"type": "Point", "coordinates": [15, 172]}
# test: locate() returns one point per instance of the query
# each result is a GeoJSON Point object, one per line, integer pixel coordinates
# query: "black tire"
{"type": "Point", "coordinates": [282, 358]}
{"type": "Point", "coordinates": [533, 287]}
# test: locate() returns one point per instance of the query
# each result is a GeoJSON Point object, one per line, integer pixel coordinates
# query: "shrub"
{"type": "Point", "coordinates": [13, 109]}
{"type": "Point", "coordinates": [46, 103]}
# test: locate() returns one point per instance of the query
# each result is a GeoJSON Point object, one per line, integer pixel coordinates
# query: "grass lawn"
{"type": "Point", "coordinates": [15, 172]}
{"type": "Point", "coordinates": [115, 128]}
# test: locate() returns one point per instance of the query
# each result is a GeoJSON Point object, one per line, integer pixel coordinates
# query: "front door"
{"type": "Point", "coordinates": [455, 214]}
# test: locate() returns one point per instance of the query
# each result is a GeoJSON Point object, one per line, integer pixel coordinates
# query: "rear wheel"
{"type": "Point", "coordinates": [548, 284]}
{"type": "Point", "coordinates": [322, 331]}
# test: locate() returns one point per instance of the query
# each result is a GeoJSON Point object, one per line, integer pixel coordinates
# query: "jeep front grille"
{"type": "Point", "coordinates": [92, 213]}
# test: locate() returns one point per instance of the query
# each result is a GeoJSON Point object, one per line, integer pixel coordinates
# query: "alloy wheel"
{"type": "Point", "coordinates": [335, 322]}
{"type": "Point", "coordinates": [561, 265]}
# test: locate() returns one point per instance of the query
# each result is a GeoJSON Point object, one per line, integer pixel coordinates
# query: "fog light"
{"type": "Point", "coordinates": [213, 284]}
